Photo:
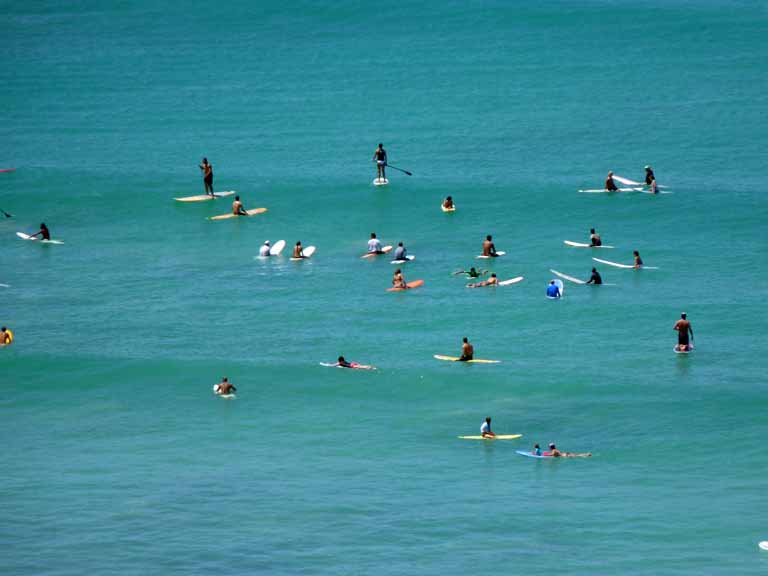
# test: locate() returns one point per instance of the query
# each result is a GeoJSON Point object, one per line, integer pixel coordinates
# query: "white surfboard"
{"type": "Point", "coordinates": [604, 191]}
{"type": "Point", "coordinates": [225, 396]}
{"type": "Point", "coordinates": [444, 209]}
{"type": "Point", "coordinates": [308, 251]}
{"type": "Point", "coordinates": [380, 181]}
{"type": "Point", "coordinates": [763, 545]}
{"type": "Point", "coordinates": [625, 266]}
{"type": "Point", "coordinates": [511, 281]}
{"type": "Point", "coordinates": [498, 253]}
{"type": "Point", "coordinates": [628, 182]}
{"type": "Point", "coordinates": [583, 245]}
{"type": "Point", "coordinates": [408, 258]}
{"type": "Point", "coordinates": [205, 197]}
{"type": "Point", "coordinates": [36, 239]}
{"type": "Point", "coordinates": [569, 278]}
{"type": "Point", "coordinates": [690, 349]}
{"type": "Point", "coordinates": [561, 286]}
{"type": "Point", "coordinates": [5, 285]}
{"type": "Point", "coordinates": [277, 248]}
{"type": "Point", "coordinates": [384, 250]}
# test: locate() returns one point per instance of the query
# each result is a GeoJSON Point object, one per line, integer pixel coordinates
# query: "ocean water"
{"type": "Point", "coordinates": [117, 458]}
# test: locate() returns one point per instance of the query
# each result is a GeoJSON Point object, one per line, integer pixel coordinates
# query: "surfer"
{"type": "Point", "coordinates": [595, 278]}
{"type": "Point", "coordinates": [44, 233]}
{"type": "Point", "coordinates": [397, 280]}
{"type": "Point", "coordinates": [649, 176]}
{"type": "Point", "coordinates": [683, 327]}
{"type": "Point", "coordinates": [610, 185]}
{"type": "Point", "coordinates": [536, 450]}
{"type": "Point", "coordinates": [6, 336]}
{"type": "Point", "coordinates": [207, 170]}
{"type": "Point", "coordinates": [467, 351]}
{"type": "Point", "coordinates": [225, 387]}
{"type": "Point", "coordinates": [553, 290]}
{"type": "Point", "coordinates": [594, 238]}
{"type": "Point", "coordinates": [342, 363]}
{"type": "Point", "coordinates": [237, 207]}
{"type": "Point", "coordinates": [492, 281]}
{"type": "Point", "coordinates": [374, 245]}
{"type": "Point", "coordinates": [400, 252]}
{"type": "Point", "coordinates": [264, 250]}
{"type": "Point", "coordinates": [555, 453]}
{"type": "Point", "coordinates": [489, 249]}
{"type": "Point", "coordinates": [380, 157]}
{"type": "Point", "coordinates": [654, 187]}
{"type": "Point", "coordinates": [448, 203]}
{"type": "Point", "coordinates": [471, 273]}
{"type": "Point", "coordinates": [638, 260]}
{"type": "Point", "coordinates": [485, 429]}
{"type": "Point", "coordinates": [298, 251]}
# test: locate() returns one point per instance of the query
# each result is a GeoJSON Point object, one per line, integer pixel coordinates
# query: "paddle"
{"type": "Point", "coordinates": [6, 213]}
{"type": "Point", "coordinates": [401, 170]}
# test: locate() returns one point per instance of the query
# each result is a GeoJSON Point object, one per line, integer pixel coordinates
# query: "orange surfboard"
{"type": "Point", "coordinates": [414, 284]}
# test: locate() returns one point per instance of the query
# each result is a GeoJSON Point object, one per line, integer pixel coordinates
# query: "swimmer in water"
{"type": "Point", "coordinates": [638, 260]}
{"type": "Point", "coordinates": [610, 185]}
{"type": "Point", "coordinates": [595, 278]}
{"type": "Point", "coordinates": [237, 207]}
{"type": "Point", "coordinates": [467, 351]}
{"type": "Point", "coordinates": [207, 170]}
{"type": "Point", "coordinates": [492, 281]}
{"type": "Point", "coordinates": [44, 233]}
{"type": "Point", "coordinates": [6, 336]}
{"type": "Point", "coordinates": [683, 327]}
{"type": "Point", "coordinates": [555, 453]}
{"type": "Point", "coordinates": [485, 429]}
{"type": "Point", "coordinates": [225, 387]}
{"type": "Point", "coordinates": [380, 157]}
{"type": "Point", "coordinates": [489, 248]}
{"type": "Point", "coordinates": [594, 238]}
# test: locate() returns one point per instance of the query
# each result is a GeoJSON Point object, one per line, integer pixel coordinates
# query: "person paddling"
{"type": "Point", "coordinates": [492, 281]}
{"type": "Point", "coordinates": [44, 233]}
{"type": "Point", "coordinates": [595, 278]}
{"type": "Point", "coordinates": [225, 387]}
{"type": "Point", "coordinates": [207, 170]}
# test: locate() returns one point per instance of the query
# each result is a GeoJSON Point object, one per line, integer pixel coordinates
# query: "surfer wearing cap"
{"type": "Point", "coordinates": [485, 429]}
{"type": "Point", "coordinates": [492, 281]}
{"type": "Point", "coordinates": [400, 252]}
{"type": "Point", "coordinates": [374, 245]}
{"type": "Point", "coordinates": [595, 278]}
{"type": "Point", "coordinates": [397, 280]}
{"type": "Point", "coordinates": [44, 233]}
{"type": "Point", "coordinates": [237, 207]}
{"type": "Point", "coordinates": [207, 170]}
{"type": "Point", "coordinates": [553, 290]}
{"type": "Point", "coordinates": [555, 453]}
{"type": "Point", "coordinates": [448, 203]}
{"type": "Point", "coordinates": [298, 251]}
{"type": "Point", "coordinates": [264, 250]}
{"type": "Point", "coordinates": [594, 238]}
{"type": "Point", "coordinates": [683, 327]}
{"type": "Point", "coordinates": [489, 249]}
{"type": "Point", "coordinates": [467, 351]}
{"type": "Point", "coordinates": [638, 260]}
{"type": "Point", "coordinates": [225, 387]}
{"type": "Point", "coordinates": [649, 176]}
{"type": "Point", "coordinates": [380, 157]}
{"type": "Point", "coordinates": [610, 185]}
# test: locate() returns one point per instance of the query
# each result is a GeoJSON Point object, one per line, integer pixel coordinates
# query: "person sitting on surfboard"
{"type": "Point", "coordinates": [264, 250]}
{"type": "Point", "coordinates": [207, 176]}
{"type": "Point", "coordinates": [649, 176]}
{"type": "Point", "coordinates": [298, 251]}
{"type": "Point", "coordinates": [485, 429]}
{"type": "Point", "coordinates": [467, 351]}
{"type": "Point", "coordinates": [555, 453]}
{"type": "Point", "coordinates": [638, 260]}
{"type": "Point", "coordinates": [399, 252]}
{"type": "Point", "coordinates": [536, 450]}
{"type": "Point", "coordinates": [6, 336]}
{"type": "Point", "coordinates": [683, 327]}
{"type": "Point", "coordinates": [374, 245]}
{"type": "Point", "coordinates": [594, 238]}
{"type": "Point", "coordinates": [610, 185]}
{"type": "Point", "coordinates": [225, 387]}
{"type": "Point", "coordinates": [237, 207]}
{"type": "Point", "coordinates": [448, 203]}
{"type": "Point", "coordinates": [380, 157]}
{"type": "Point", "coordinates": [595, 278]}
{"type": "Point", "coordinates": [490, 282]}
{"type": "Point", "coordinates": [489, 249]}
{"type": "Point", "coordinates": [44, 232]}
{"type": "Point", "coordinates": [553, 290]}
{"type": "Point", "coordinates": [397, 280]}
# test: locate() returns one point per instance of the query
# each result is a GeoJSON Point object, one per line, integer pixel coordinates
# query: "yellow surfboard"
{"type": "Point", "coordinates": [497, 437]}
{"type": "Point", "coordinates": [252, 212]}
{"type": "Point", "coordinates": [475, 361]}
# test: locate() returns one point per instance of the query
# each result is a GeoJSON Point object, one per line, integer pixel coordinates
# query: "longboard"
{"type": "Point", "coordinates": [497, 437]}
{"type": "Point", "coordinates": [380, 181]}
{"type": "Point", "coordinates": [511, 281]}
{"type": "Point", "coordinates": [625, 266]}
{"type": "Point", "coordinates": [629, 182]}
{"type": "Point", "coordinates": [502, 283]}
{"type": "Point", "coordinates": [36, 239]}
{"type": "Point", "coordinates": [409, 285]}
{"type": "Point", "coordinates": [531, 454]}
{"type": "Point", "coordinates": [604, 191]}
{"type": "Point", "coordinates": [583, 245]}
{"type": "Point", "coordinates": [444, 209]}
{"type": "Point", "coordinates": [498, 253]}
{"type": "Point", "coordinates": [570, 278]}
{"type": "Point", "coordinates": [251, 212]}
{"type": "Point", "coordinates": [384, 250]}
{"type": "Point", "coordinates": [561, 286]}
{"type": "Point", "coordinates": [308, 251]}
{"type": "Point", "coordinates": [474, 361]}
{"type": "Point", "coordinates": [204, 197]}
{"type": "Point", "coordinates": [353, 367]}
{"type": "Point", "coordinates": [408, 258]}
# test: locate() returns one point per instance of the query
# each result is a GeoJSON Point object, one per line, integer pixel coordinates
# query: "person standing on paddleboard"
{"type": "Point", "coordinates": [380, 157]}
{"type": "Point", "coordinates": [44, 232]}
{"type": "Point", "coordinates": [595, 278]}
{"type": "Point", "coordinates": [610, 185]}
{"type": "Point", "coordinates": [594, 238]}
{"type": "Point", "coordinates": [467, 351]}
{"type": "Point", "coordinates": [489, 248]}
{"type": "Point", "coordinates": [683, 327]}
{"type": "Point", "coordinates": [207, 176]}
{"type": "Point", "coordinates": [485, 429]}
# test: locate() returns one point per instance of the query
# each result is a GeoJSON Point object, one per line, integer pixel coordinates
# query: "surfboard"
{"type": "Point", "coordinates": [380, 181]}
{"type": "Point", "coordinates": [277, 247]}
{"type": "Point", "coordinates": [408, 258]}
{"type": "Point", "coordinates": [604, 191]}
{"type": "Point", "coordinates": [569, 278]}
{"type": "Point", "coordinates": [498, 253]}
{"type": "Point", "coordinates": [531, 454]}
{"type": "Point", "coordinates": [204, 197]}
{"type": "Point", "coordinates": [473, 361]}
{"type": "Point", "coordinates": [357, 367]}
{"type": "Point", "coordinates": [7, 169]}
{"type": "Point", "coordinates": [5, 285]}
{"type": "Point", "coordinates": [225, 396]}
{"type": "Point", "coordinates": [36, 239]}
{"type": "Point", "coordinates": [763, 545]}
{"type": "Point", "coordinates": [628, 182]}
{"type": "Point", "coordinates": [308, 251]}
{"type": "Point", "coordinates": [497, 437]}
{"type": "Point", "coordinates": [625, 266]}
{"type": "Point", "coordinates": [583, 245]}
{"type": "Point", "coordinates": [690, 349]}
{"type": "Point", "coordinates": [511, 281]}
{"type": "Point", "coordinates": [252, 212]}
{"type": "Point", "coordinates": [444, 209]}
{"type": "Point", "coordinates": [384, 250]}
{"type": "Point", "coordinates": [561, 286]}
{"type": "Point", "coordinates": [414, 284]}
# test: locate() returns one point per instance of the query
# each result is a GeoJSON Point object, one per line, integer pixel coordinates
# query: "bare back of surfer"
{"type": "Point", "coordinates": [610, 185]}
{"type": "Point", "coordinates": [448, 203]}
{"type": "Point", "coordinates": [237, 207]}
{"type": "Point", "coordinates": [207, 170]}
{"type": "Point", "coordinates": [492, 281]}
{"type": "Point", "coordinates": [467, 351]}
{"type": "Point", "coordinates": [649, 175]}
{"type": "Point", "coordinates": [298, 251]}
{"type": "Point", "coordinates": [683, 327]}
{"type": "Point", "coordinates": [225, 387]}
{"type": "Point", "coordinates": [489, 249]}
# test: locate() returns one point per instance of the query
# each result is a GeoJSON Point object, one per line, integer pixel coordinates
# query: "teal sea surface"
{"type": "Point", "coordinates": [117, 458]}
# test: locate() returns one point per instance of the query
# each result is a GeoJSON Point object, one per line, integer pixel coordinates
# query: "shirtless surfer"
{"type": "Point", "coordinates": [237, 207]}
{"type": "Point", "coordinates": [298, 251]}
{"type": "Point", "coordinates": [555, 453]}
{"type": "Point", "coordinates": [380, 157]}
{"type": "Point", "coordinates": [448, 203]}
{"type": "Point", "coordinates": [489, 249]}
{"type": "Point", "coordinates": [610, 185]}
{"type": "Point", "coordinates": [397, 280]}
{"type": "Point", "coordinates": [225, 387]}
{"type": "Point", "coordinates": [467, 351]}
{"type": "Point", "coordinates": [471, 273]}
{"type": "Point", "coordinates": [594, 238]}
{"type": "Point", "coordinates": [492, 281]}
{"type": "Point", "coordinates": [649, 175]}
{"type": "Point", "coordinates": [683, 327]}
{"type": "Point", "coordinates": [207, 170]}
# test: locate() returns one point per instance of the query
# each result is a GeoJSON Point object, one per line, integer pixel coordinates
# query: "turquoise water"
{"type": "Point", "coordinates": [117, 458]}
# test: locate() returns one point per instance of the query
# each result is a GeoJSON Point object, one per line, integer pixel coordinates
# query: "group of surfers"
{"type": "Point", "coordinates": [486, 432]}
{"type": "Point", "coordinates": [650, 181]}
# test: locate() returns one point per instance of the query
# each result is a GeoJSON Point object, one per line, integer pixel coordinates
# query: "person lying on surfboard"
{"type": "Point", "coordinates": [555, 453]}
{"type": "Point", "coordinates": [467, 351]}
{"type": "Point", "coordinates": [342, 363]}
{"type": "Point", "coordinates": [400, 252]}
{"type": "Point", "coordinates": [595, 278]}
{"type": "Point", "coordinates": [448, 203]}
{"type": "Point", "coordinates": [44, 232]}
{"type": "Point", "coordinates": [380, 157]}
{"type": "Point", "coordinates": [638, 260]}
{"type": "Point", "coordinates": [683, 327]}
{"type": "Point", "coordinates": [610, 185]}
{"type": "Point", "coordinates": [225, 387]}
{"type": "Point", "coordinates": [489, 249]}
{"type": "Point", "coordinates": [594, 238]}
{"type": "Point", "coordinates": [374, 245]}
{"type": "Point", "coordinates": [490, 282]}
{"type": "Point", "coordinates": [237, 207]}
{"type": "Point", "coordinates": [472, 273]}
{"type": "Point", "coordinates": [298, 251]}
{"type": "Point", "coordinates": [485, 429]}
{"type": "Point", "coordinates": [397, 280]}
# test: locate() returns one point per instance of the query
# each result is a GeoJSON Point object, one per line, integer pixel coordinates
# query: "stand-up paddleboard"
{"type": "Point", "coordinates": [308, 251]}
{"type": "Point", "coordinates": [583, 245]}
{"type": "Point", "coordinates": [384, 250]}
{"type": "Point", "coordinates": [277, 248]}
{"type": "Point", "coordinates": [252, 212]}
{"type": "Point", "coordinates": [604, 191]}
{"type": "Point", "coordinates": [763, 545]}
{"type": "Point", "coordinates": [532, 455]}
{"type": "Point", "coordinates": [354, 366]}
{"type": "Point", "coordinates": [456, 359]}
{"type": "Point", "coordinates": [497, 437]}
{"type": "Point", "coordinates": [380, 181]}
{"type": "Point", "coordinates": [205, 197]}
{"type": "Point", "coordinates": [561, 286]}
{"type": "Point", "coordinates": [569, 278]}
{"type": "Point", "coordinates": [407, 259]}
{"type": "Point", "coordinates": [625, 266]}
{"type": "Point", "coordinates": [511, 281]}
{"type": "Point", "coordinates": [36, 239]}
{"type": "Point", "coordinates": [220, 395]}
{"type": "Point", "coordinates": [409, 285]}
{"type": "Point", "coordinates": [690, 349]}
{"type": "Point", "coordinates": [498, 253]}
{"type": "Point", "coordinates": [444, 209]}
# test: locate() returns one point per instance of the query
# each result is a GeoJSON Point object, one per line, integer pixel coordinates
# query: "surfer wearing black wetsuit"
{"type": "Point", "coordinates": [649, 177]}
{"type": "Point", "coordinates": [380, 157]}
{"type": "Point", "coordinates": [595, 278]}
{"type": "Point", "coordinates": [207, 176]}
{"type": "Point", "coordinates": [610, 185]}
